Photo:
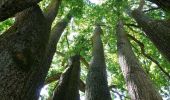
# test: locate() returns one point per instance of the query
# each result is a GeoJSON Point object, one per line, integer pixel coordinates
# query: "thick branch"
{"type": "Point", "coordinates": [142, 47]}
{"type": "Point", "coordinates": [141, 4]}
{"type": "Point", "coordinates": [9, 8]}
{"type": "Point", "coordinates": [52, 10]}
{"type": "Point", "coordinates": [54, 38]}
{"type": "Point", "coordinates": [52, 78]}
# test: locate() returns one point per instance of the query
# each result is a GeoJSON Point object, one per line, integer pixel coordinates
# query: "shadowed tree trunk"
{"type": "Point", "coordinates": [22, 51]}
{"type": "Point", "coordinates": [157, 31]}
{"type": "Point", "coordinates": [9, 8]}
{"type": "Point", "coordinates": [96, 83]}
{"type": "Point", "coordinates": [68, 88]}
{"type": "Point", "coordinates": [51, 48]}
{"type": "Point", "coordinates": [138, 83]}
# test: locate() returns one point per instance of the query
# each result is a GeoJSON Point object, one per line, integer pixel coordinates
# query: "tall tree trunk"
{"type": "Point", "coordinates": [23, 49]}
{"type": "Point", "coordinates": [138, 83]}
{"type": "Point", "coordinates": [157, 31]}
{"type": "Point", "coordinates": [96, 83]}
{"type": "Point", "coordinates": [9, 8]}
{"type": "Point", "coordinates": [68, 88]}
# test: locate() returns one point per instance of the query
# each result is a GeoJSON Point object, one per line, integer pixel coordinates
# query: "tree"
{"type": "Point", "coordinates": [9, 8]}
{"type": "Point", "coordinates": [156, 30]}
{"type": "Point", "coordinates": [77, 39]}
{"type": "Point", "coordinates": [23, 50]}
{"type": "Point", "coordinates": [96, 82]}
{"type": "Point", "coordinates": [68, 88]}
{"type": "Point", "coordinates": [138, 83]}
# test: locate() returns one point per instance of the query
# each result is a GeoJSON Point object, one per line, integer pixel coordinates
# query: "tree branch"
{"type": "Point", "coordinates": [151, 9]}
{"type": "Point", "coordinates": [9, 8]}
{"type": "Point", "coordinates": [52, 78]}
{"type": "Point", "coordinates": [141, 4]}
{"type": "Point", "coordinates": [54, 38]}
{"type": "Point", "coordinates": [133, 25]}
{"type": "Point", "coordinates": [120, 95]}
{"type": "Point", "coordinates": [147, 55]}
{"type": "Point", "coordinates": [56, 77]}
{"type": "Point", "coordinates": [52, 9]}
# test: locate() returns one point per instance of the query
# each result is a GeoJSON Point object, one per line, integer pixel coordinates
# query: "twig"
{"type": "Point", "coordinates": [151, 9]}
{"type": "Point", "coordinates": [142, 47]}
{"type": "Point", "coordinates": [120, 95]}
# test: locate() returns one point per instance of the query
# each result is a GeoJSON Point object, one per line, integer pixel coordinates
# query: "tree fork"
{"type": "Point", "coordinates": [22, 51]}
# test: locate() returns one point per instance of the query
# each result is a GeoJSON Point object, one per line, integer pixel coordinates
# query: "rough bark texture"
{"type": "Point", "coordinates": [51, 48]}
{"type": "Point", "coordinates": [138, 83]}
{"type": "Point", "coordinates": [96, 83]}
{"type": "Point", "coordinates": [22, 49]}
{"type": "Point", "coordinates": [68, 88]}
{"type": "Point", "coordinates": [157, 31]}
{"type": "Point", "coordinates": [51, 11]}
{"type": "Point", "coordinates": [9, 8]}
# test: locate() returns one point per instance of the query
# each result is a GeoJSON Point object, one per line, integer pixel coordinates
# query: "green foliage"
{"type": "Point", "coordinates": [76, 39]}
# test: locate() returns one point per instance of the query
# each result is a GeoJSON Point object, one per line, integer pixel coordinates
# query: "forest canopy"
{"type": "Point", "coordinates": [78, 21]}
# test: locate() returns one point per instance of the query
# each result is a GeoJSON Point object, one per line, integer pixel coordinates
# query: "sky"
{"type": "Point", "coordinates": [97, 1]}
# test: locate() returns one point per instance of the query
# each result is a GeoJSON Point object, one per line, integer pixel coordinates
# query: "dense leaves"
{"type": "Point", "coordinates": [77, 39]}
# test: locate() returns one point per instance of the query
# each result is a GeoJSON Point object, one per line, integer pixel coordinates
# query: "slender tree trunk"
{"type": "Point", "coordinates": [68, 88]}
{"type": "Point", "coordinates": [51, 48]}
{"type": "Point", "coordinates": [138, 83]}
{"type": "Point", "coordinates": [9, 8]}
{"type": "Point", "coordinates": [96, 83]}
{"type": "Point", "coordinates": [23, 49]}
{"type": "Point", "coordinates": [157, 31]}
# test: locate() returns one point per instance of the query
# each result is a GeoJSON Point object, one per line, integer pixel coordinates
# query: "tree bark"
{"type": "Point", "coordinates": [51, 11]}
{"type": "Point", "coordinates": [157, 31]}
{"type": "Point", "coordinates": [23, 51]}
{"type": "Point", "coordinates": [68, 88]}
{"type": "Point", "coordinates": [138, 83]}
{"type": "Point", "coordinates": [96, 83]}
{"type": "Point", "coordinates": [9, 8]}
{"type": "Point", "coordinates": [51, 48]}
